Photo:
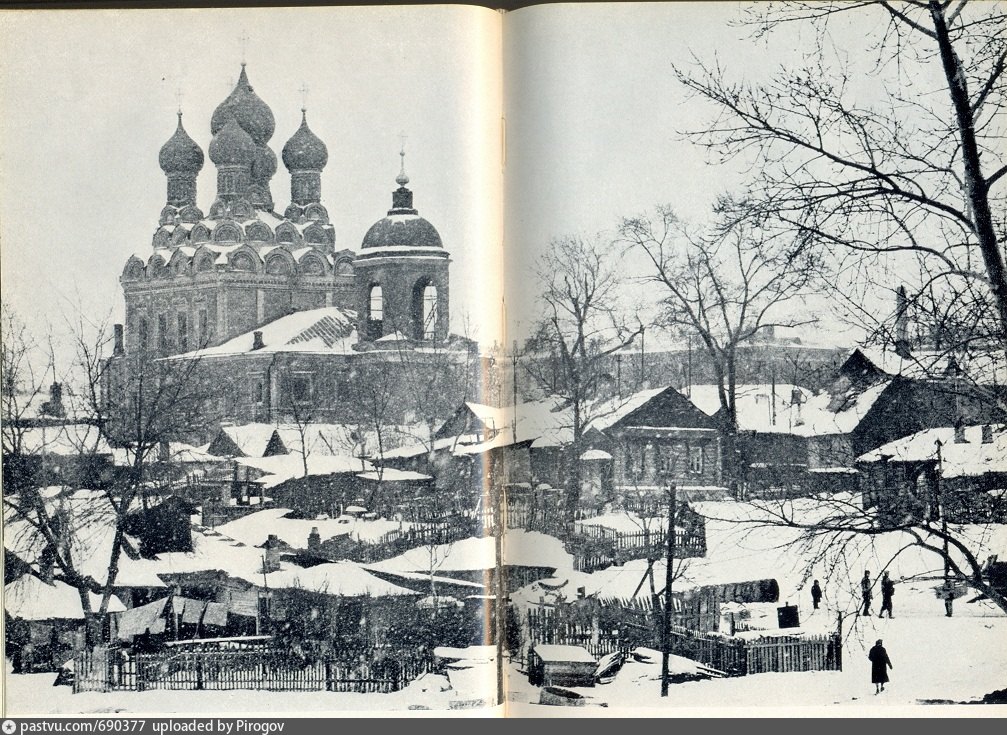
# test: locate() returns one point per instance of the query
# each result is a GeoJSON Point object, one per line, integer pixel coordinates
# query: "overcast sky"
{"type": "Point", "coordinates": [593, 115]}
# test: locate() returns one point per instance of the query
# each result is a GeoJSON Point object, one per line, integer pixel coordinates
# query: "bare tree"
{"type": "Point", "coordinates": [139, 402]}
{"type": "Point", "coordinates": [836, 531]}
{"type": "Point", "coordinates": [581, 325]}
{"type": "Point", "coordinates": [728, 285]}
{"type": "Point", "coordinates": [913, 176]}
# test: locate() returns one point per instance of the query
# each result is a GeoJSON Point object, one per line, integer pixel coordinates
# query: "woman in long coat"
{"type": "Point", "coordinates": [880, 663]}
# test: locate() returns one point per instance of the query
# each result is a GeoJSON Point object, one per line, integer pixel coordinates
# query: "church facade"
{"type": "Point", "coordinates": [280, 320]}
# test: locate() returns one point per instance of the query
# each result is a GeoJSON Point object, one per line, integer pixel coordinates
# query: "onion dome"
{"type": "Point", "coordinates": [305, 151]}
{"type": "Point", "coordinates": [231, 145]}
{"type": "Point", "coordinates": [263, 163]}
{"type": "Point", "coordinates": [245, 106]}
{"type": "Point", "coordinates": [180, 154]}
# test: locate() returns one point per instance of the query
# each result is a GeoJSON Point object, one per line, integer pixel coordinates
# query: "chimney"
{"type": "Point", "coordinates": [257, 343]}
{"type": "Point", "coordinates": [960, 432]}
{"type": "Point", "coordinates": [118, 350]}
{"type": "Point", "coordinates": [271, 559]}
{"type": "Point", "coordinates": [314, 539]}
{"type": "Point", "coordinates": [987, 434]}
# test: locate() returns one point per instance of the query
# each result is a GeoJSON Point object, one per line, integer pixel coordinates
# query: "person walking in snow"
{"type": "Point", "coordinates": [865, 591]}
{"type": "Point", "coordinates": [880, 663]}
{"type": "Point", "coordinates": [816, 594]}
{"type": "Point", "coordinates": [887, 591]}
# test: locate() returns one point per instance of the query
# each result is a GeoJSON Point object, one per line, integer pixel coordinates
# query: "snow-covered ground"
{"type": "Point", "coordinates": [957, 659]}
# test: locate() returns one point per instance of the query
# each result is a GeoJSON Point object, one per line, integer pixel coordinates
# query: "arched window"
{"type": "Point", "coordinates": [375, 311]}
{"type": "Point", "coordinates": [429, 312]}
{"type": "Point", "coordinates": [425, 314]}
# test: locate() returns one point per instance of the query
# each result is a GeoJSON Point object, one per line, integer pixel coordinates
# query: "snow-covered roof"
{"type": "Point", "coordinates": [971, 458]}
{"type": "Point", "coordinates": [63, 440]}
{"type": "Point", "coordinates": [561, 653]}
{"type": "Point", "coordinates": [983, 367]}
{"type": "Point", "coordinates": [524, 549]}
{"type": "Point", "coordinates": [255, 528]}
{"type": "Point", "coordinates": [340, 579]}
{"type": "Point", "coordinates": [770, 409]}
{"type": "Point", "coordinates": [280, 468]}
{"type": "Point", "coordinates": [611, 411]}
{"type": "Point", "coordinates": [390, 474]}
{"type": "Point", "coordinates": [29, 598]}
{"type": "Point", "coordinates": [329, 330]}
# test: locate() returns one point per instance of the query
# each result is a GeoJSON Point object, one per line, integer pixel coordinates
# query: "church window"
{"type": "Point", "coordinates": [162, 332]}
{"type": "Point", "coordinates": [204, 328]}
{"type": "Point", "coordinates": [375, 311]}
{"type": "Point", "coordinates": [183, 332]}
{"type": "Point", "coordinates": [143, 334]}
{"type": "Point", "coordinates": [300, 388]}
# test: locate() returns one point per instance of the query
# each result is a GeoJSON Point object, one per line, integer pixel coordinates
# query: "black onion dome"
{"type": "Point", "coordinates": [305, 151]}
{"type": "Point", "coordinates": [232, 146]}
{"type": "Point", "coordinates": [402, 230]}
{"type": "Point", "coordinates": [180, 154]}
{"type": "Point", "coordinates": [245, 106]}
{"type": "Point", "coordinates": [263, 163]}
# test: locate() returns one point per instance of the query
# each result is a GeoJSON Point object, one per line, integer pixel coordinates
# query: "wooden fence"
{"type": "Point", "coordinates": [738, 657]}
{"type": "Point", "coordinates": [732, 655]}
{"type": "Point", "coordinates": [597, 547]}
{"type": "Point", "coordinates": [102, 669]}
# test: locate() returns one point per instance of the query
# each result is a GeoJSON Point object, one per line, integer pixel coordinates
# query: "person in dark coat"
{"type": "Point", "coordinates": [887, 591]}
{"type": "Point", "coordinates": [880, 663]}
{"type": "Point", "coordinates": [816, 594]}
{"type": "Point", "coordinates": [865, 591]}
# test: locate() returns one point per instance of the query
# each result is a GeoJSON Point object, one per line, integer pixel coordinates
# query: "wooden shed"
{"type": "Point", "coordinates": [555, 665]}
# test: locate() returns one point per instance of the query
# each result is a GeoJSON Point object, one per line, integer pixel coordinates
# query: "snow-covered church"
{"type": "Point", "coordinates": [280, 319]}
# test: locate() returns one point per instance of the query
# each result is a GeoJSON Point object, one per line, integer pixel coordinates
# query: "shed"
{"type": "Point", "coordinates": [555, 665]}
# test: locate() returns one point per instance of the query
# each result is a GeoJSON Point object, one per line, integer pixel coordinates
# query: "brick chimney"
{"type": "Point", "coordinates": [257, 343]}
{"type": "Point", "coordinates": [118, 350]}
{"type": "Point", "coordinates": [960, 432]}
{"type": "Point", "coordinates": [987, 434]}
{"type": "Point", "coordinates": [271, 559]}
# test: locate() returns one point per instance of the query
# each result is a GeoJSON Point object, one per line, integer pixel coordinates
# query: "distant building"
{"type": "Point", "coordinates": [958, 472]}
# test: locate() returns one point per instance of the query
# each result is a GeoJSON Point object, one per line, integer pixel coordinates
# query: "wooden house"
{"type": "Point", "coordinates": [960, 472]}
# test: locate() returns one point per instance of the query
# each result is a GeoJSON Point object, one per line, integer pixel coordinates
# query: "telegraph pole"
{"type": "Point", "coordinates": [668, 577]}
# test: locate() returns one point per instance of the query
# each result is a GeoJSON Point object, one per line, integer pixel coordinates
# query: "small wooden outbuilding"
{"type": "Point", "coordinates": [555, 665]}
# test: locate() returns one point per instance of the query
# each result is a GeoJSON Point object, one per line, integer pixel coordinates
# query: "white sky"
{"type": "Point", "coordinates": [89, 97]}
{"type": "Point", "coordinates": [593, 114]}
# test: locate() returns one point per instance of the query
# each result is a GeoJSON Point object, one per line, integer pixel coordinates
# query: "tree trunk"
{"type": "Point", "coordinates": [976, 189]}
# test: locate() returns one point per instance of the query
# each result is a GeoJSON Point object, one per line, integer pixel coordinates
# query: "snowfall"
{"type": "Point", "coordinates": [937, 661]}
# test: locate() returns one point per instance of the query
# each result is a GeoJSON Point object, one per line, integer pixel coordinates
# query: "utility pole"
{"type": "Point", "coordinates": [668, 577]}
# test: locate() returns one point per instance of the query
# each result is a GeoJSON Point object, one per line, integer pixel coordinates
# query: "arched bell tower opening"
{"type": "Point", "coordinates": [425, 311]}
{"type": "Point", "coordinates": [375, 312]}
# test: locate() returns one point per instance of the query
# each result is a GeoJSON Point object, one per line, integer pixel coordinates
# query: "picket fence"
{"type": "Point", "coordinates": [104, 669]}
{"type": "Point", "coordinates": [739, 657]}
